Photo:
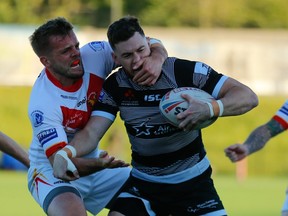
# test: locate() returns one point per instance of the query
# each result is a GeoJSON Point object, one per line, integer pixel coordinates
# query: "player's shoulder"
{"type": "Point", "coordinates": [95, 47]}
{"type": "Point", "coordinates": [41, 90]}
{"type": "Point", "coordinates": [96, 58]}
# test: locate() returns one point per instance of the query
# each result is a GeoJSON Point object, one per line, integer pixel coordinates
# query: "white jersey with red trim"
{"type": "Point", "coordinates": [57, 113]}
{"type": "Point", "coordinates": [281, 115]}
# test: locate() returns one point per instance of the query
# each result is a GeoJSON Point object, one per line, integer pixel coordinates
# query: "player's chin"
{"type": "Point", "coordinates": [76, 74]}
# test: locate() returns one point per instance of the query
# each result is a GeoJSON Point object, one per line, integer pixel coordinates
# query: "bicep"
{"type": "Point", "coordinates": [230, 85]}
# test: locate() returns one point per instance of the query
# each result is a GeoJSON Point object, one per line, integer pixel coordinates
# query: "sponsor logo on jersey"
{"type": "Point", "coordinates": [105, 98]}
{"type": "Point", "coordinates": [152, 97]}
{"type": "Point", "coordinates": [143, 129]}
{"type": "Point", "coordinates": [47, 135]}
{"type": "Point", "coordinates": [37, 118]}
{"type": "Point", "coordinates": [151, 131]}
{"type": "Point", "coordinates": [74, 119]}
{"type": "Point", "coordinates": [201, 68]}
{"type": "Point", "coordinates": [96, 45]}
{"type": "Point", "coordinates": [69, 97]}
{"type": "Point", "coordinates": [129, 99]}
{"type": "Point", "coordinates": [81, 102]}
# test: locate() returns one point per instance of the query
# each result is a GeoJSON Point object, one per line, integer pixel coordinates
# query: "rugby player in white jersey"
{"type": "Point", "coordinates": [60, 104]}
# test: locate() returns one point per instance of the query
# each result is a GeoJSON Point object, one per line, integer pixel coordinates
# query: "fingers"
{"type": "Point", "coordinates": [110, 161]}
{"type": "Point", "coordinates": [235, 152]}
{"type": "Point", "coordinates": [233, 157]}
{"type": "Point", "coordinates": [115, 163]}
{"type": "Point", "coordinates": [147, 72]}
{"type": "Point", "coordinates": [67, 176]}
{"type": "Point", "coordinates": [70, 176]}
{"type": "Point", "coordinates": [121, 163]}
{"type": "Point", "coordinates": [71, 168]}
{"type": "Point", "coordinates": [63, 167]}
{"type": "Point", "coordinates": [143, 77]}
{"type": "Point", "coordinates": [103, 154]}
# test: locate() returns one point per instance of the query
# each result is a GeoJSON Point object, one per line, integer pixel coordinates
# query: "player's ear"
{"type": "Point", "coordinates": [44, 61]}
{"type": "Point", "coordinates": [115, 58]}
{"type": "Point", "coordinates": [148, 41]}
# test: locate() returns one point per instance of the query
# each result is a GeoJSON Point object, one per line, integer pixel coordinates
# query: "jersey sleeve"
{"type": "Point", "coordinates": [97, 58]}
{"type": "Point", "coordinates": [199, 75]}
{"type": "Point", "coordinates": [107, 105]}
{"type": "Point", "coordinates": [46, 122]}
{"type": "Point", "coordinates": [281, 116]}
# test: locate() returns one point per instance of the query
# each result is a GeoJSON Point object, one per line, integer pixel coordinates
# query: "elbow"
{"type": "Point", "coordinates": [252, 102]}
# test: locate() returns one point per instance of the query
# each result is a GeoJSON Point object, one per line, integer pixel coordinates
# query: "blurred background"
{"type": "Point", "coordinates": [244, 39]}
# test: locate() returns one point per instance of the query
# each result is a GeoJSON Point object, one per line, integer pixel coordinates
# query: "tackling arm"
{"type": "Point", "coordinates": [83, 143]}
{"type": "Point", "coordinates": [152, 66]}
{"type": "Point", "coordinates": [88, 138]}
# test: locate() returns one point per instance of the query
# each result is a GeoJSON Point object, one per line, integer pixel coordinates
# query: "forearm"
{"type": "Point", "coordinates": [158, 52]}
{"type": "Point", "coordinates": [9, 146]}
{"type": "Point", "coordinates": [87, 166]}
{"type": "Point", "coordinates": [86, 140]}
{"type": "Point", "coordinates": [261, 135]}
{"type": "Point", "coordinates": [257, 139]}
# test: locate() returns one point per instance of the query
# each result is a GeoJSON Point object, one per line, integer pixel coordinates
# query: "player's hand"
{"type": "Point", "coordinates": [107, 161]}
{"type": "Point", "coordinates": [196, 113]}
{"type": "Point", "coordinates": [236, 152]}
{"type": "Point", "coordinates": [149, 71]}
{"type": "Point", "coordinates": [63, 167]}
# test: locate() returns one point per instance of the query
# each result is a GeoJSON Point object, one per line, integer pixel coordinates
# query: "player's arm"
{"type": "Point", "coordinates": [9, 146]}
{"type": "Point", "coordinates": [83, 143]}
{"type": "Point", "coordinates": [152, 66]}
{"type": "Point", "coordinates": [79, 167]}
{"type": "Point", "coordinates": [87, 166]}
{"type": "Point", "coordinates": [234, 98]}
{"type": "Point", "coordinates": [255, 141]}
{"type": "Point", "coordinates": [88, 138]}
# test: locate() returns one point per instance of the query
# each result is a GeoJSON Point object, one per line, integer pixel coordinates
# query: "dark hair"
{"type": "Point", "coordinates": [123, 29]}
{"type": "Point", "coordinates": [40, 39]}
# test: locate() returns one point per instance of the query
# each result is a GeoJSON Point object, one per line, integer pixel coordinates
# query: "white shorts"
{"type": "Point", "coordinates": [96, 190]}
{"type": "Point", "coordinates": [285, 205]}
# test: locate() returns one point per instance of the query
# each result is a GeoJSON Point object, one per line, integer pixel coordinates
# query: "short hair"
{"type": "Point", "coordinates": [123, 29]}
{"type": "Point", "coordinates": [40, 39]}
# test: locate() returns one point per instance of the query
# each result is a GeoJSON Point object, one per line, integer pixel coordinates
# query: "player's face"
{"type": "Point", "coordinates": [132, 52]}
{"type": "Point", "coordinates": [64, 60]}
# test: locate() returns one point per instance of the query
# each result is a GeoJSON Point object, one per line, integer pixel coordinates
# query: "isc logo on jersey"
{"type": "Point", "coordinates": [152, 97]}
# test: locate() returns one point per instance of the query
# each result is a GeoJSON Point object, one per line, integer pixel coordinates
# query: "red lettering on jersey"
{"type": "Point", "coordinates": [74, 119]}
